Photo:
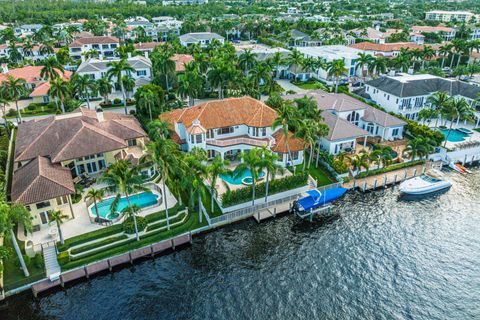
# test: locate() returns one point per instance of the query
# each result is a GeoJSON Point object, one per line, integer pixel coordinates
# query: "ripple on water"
{"type": "Point", "coordinates": [377, 257]}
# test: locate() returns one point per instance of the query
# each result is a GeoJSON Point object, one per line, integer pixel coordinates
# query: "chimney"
{"type": "Point", "coordinates": [100, 56]}
{"type": "Point", "coordinates": [377, 27]}
{"type": "Point", "coordinates": [410, 71]}
{"type": "Point", "coordinates": [146, 54]}
{"type": "Point", "coordinates": [100, 117]}
{"type": "Point", "coordinates": [4, 68]}
{"type": "Point", "coordinates": [129, 55]}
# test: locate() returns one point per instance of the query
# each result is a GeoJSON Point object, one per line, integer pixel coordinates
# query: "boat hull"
{"type": "Point", "coordinates": [326, 197]}
{"type": "Point", "coordinates": [426, 190]}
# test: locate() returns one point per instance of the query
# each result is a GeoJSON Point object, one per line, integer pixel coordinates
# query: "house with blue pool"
{"type": "Point", "coordinates": [351, 122]}
{"type": "Point", "coordinates": [230, 126]}
{"type": "Point", "coordinates": [53, 154]}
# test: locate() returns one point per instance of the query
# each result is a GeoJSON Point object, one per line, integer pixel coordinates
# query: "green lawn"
{"type": "Point", "coordinates": [322, 177]}
{"type": "Point", "coordinates": [477, 129]}
{"type": "Point", "coordinates": [310, 85]}
{"type": "Point", "coordinates": [192, 223]}
{"type": "Point", "coordinates": [207, 202]}
{"type": "Point", "coordinates": [13, 275]}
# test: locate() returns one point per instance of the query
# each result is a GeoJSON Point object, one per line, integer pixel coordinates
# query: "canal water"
{"type": "Point", "coordinates": [378, 257]}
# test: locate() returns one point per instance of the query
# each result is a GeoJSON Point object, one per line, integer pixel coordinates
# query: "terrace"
{"type": "Point", "coordinates": [84, 220]}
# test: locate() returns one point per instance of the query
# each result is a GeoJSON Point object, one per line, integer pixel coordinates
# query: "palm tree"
{"type": "Point", "coordinates": [456, 109]}
{"type": "Point", "coordinates": [360, 161]}
{"type": "Point", "coordinates": [418, 147]}
{"type": "Point", "coordinates": [336, 68]}
{"type": "Point", "coordinates": [158, 129]}
{"type": "Point", "coordinates": [217, 167]}
{"type": "Point", "coordinates": [277, 61]}
{"type": "Point", "coordinates": [129, 84]}
{"type": "Point", "coordinates": [261, 71]}
{"type": "Point", "coordinates": [14, 53]}
{"type": "Point", "coordinates": [246, 60]}
{"type": "Point", "coordinates": [59, 90]}
{"type": "Point", "coordinates": [104, 88]}
{"type": "Point", "coordinates": [295, 59]}
{"type": "Point", "coordinates": [10, 216]}
{"type": "Point", "coordinates": [286, 117]}
{"type": "Point", "coordinates": [376, 157]}
{"type": "Point", "coordinates": [4, 100]}
{"type": "Point", "coordinates": [378, 65]}
{"type": "Point", "coordinates": [117, 69]}
{"type": "Point", "coordinates": [57, 217]}
{"type": "Point", "coordinates": [164, 65]}
{"type": "Point", "coordinates": [164, 155]}
{"type": "Point", "coordinates": [444, 51]}
{"type": "Point", "coordinates": [95, 195]}
{"type": "Point", "coordinates": [427, 53]}
{"type": "Point", "coordinates": [195, 172]}
{"type": "Point", "coordinates": [51, 68]}
{"type": "Point", "coordinates": [84, 85]}
{"type": "Point", "coordinates": [126, 180]}
{"type": "Point", "coordinates": [15, 89]}
{"type": "Point", "coordinates": [187, 89]}
{"type": "Point", "coordinates": [363, 62]}
{"type": "Point", "coordinates": [147, 99]}
{"type": "Point", "coordinates": [252, 161]}
{"type": "Point", "coordinates": [437, 101]}
{"type": "Point", "coordinates": [271, 165]}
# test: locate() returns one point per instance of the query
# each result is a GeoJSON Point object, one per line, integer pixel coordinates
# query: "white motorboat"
{"type": "Point", "coordinates": [423, 184]}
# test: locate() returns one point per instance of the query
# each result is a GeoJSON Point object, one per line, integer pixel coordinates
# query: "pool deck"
{"type": "Point", "coordinates": [81, 223]}
{"type": "Point", "coordinates": [475, 136]}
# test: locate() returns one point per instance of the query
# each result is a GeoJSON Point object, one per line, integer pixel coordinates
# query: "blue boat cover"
{"type": "Point", "coordinates": [317, 199]}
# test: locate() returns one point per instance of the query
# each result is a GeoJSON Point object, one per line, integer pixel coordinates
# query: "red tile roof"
{"type": "Point", "coordinates": [31, 74]}
{"type": "Point", "coordinates": [93, 40]}
{"type": "Point", "coordinates": [181, 60]}
{"type": "Point", "coordinates": [386, 47]}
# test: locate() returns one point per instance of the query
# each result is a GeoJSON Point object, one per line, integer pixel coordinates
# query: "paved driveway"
{"type": "Point", "coordinates": [288, 86]}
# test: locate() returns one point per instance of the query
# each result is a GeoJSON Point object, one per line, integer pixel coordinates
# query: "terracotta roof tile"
{"type": "Point", "coordinates": [79, 42]}
{"type": "Point", "coordinates": [386, 47]}
{"type": "Point", "coordinates": [40, 180]}
{"type": "Point", "coordinates": [224, 113]}
{"type": "Point", "coordinates": [295, 144]}
{"type": "Point", "coordinates": [180, 61]}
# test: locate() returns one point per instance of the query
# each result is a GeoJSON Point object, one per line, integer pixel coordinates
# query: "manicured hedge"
{"type": "Point", "coordinates": [87, 237]}
{"type": "Point", "coordinates": [242, 195]}
{"type": "Point", "coordinates": [98, 244]}
{"type": "Point", "coordinates": [389, 168]}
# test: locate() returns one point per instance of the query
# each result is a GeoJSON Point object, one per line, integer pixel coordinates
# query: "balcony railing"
{"type": "Point", "coordinates": [236, 141]}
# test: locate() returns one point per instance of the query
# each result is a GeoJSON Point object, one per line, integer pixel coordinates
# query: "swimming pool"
{"type": "Point", "coordinates": [143, 200]}
{"type": "Point", "coordinates": [237, 180]}
{"type": "Point", "coordinates": [455, 135]}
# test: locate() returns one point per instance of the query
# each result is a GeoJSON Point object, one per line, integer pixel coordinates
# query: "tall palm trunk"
{"type": "Point", "coordinates": [266, 186]}
{"type": "Point", "coordinates": [310, 158]}
{"type": "Point", "coordinates": [60, 234]}
{"type": "Point", "coordinates": [336, 84]}
{"type": "Point", "coordinates": [448, 134]}
{"type": "Point", "coordinates": [134, 217]}
{"type": "Point", "coordinates": [253, 190]}
{"type": "Point", "coordinates": [88, 99]}
{"type": "Point", "coordinates": [5, 118]}
{"type": "Point", "coordinates": [124, 96]}
{"type": "Point", "coordinates": [19, 254]}
{"type": "Point", "coordinates": [96, 209]}
{"type": "Point", "coordinates": [213, 191]}
{"type": "Point", "coordinates": [165, 200]}
{"type": "Point", "coordinates": [19, 116]}
{"type": "Point", "coordinates": [200, 204]}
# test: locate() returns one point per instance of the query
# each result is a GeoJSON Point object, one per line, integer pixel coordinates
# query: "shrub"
{"type": "Point", "coordinates": [242, 195]}
{"type": "Point", "coordinates": [340, 167]}
{"type": "Point", "coordinates": [129, 227]}
{"type": "Point", "coordinates": [38, 261]}
{"type": "Point", "coordinates": [63, 257]}
{"type": "Point", "coordinates": [389, 168]}
{"type": "Point", "coordinates": [117, 101]}
{"type": "Point", "coordinates": [12, 113]}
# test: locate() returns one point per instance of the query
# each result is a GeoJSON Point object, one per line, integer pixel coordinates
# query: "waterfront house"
{"type": "Point", "coordinates": [349, 120]}
{"type": "Point", "coordinates": [385, 49]}
{"type": "Point", "coordinates": [230, 126]}
{"type": "Point", "coordinates": [407, 94]}
{"type": "Point", "coordinates": [447, 33]}
{"type": "Point", "coordinates": [53, 153]}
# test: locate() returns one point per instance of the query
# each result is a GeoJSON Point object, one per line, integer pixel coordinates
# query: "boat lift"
{"type": "Point", "coordinates": [316, 202]}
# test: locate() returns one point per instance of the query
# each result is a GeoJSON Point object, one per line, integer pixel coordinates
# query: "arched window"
{"type": "Point", "coordinates": [353, 117]}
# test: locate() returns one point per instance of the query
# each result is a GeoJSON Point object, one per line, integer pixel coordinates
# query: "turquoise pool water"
{"type": "Point", "coordinates": [455, 135]}
{"type": "Point", "coordinates": [143, 200]}
{"type": "Point", "coordinates": [236, 180]}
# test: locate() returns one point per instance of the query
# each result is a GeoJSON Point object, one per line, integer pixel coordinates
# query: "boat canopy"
{"type": "Point", "coordinates": [316, 198]}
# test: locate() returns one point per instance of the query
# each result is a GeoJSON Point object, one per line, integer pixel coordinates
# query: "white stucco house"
{"type": "Point", "coordinates": [230, 126]}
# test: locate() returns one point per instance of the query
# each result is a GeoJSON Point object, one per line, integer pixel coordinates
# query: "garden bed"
{"type": "Point", "coordinates": [389, 168]}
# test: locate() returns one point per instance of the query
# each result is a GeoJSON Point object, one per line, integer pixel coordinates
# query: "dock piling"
{"type": "Point", "coordinates": [375, 184]}
{"type": "Point", "coordinates": [394, 179]}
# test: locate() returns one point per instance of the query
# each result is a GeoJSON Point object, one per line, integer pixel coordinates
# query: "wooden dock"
{"type": "Point", "coordinates": [384, 180]}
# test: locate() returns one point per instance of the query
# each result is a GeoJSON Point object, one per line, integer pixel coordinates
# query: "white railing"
{"type": "Point", "coordinates": [235, 141]}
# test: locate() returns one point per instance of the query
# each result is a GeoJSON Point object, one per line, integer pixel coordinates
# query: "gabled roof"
{"type": "Point", "coordinates": [386, 47]}
{"type": "Point", "coordinates": [340, 129]}
{"type": "Point", "coordinates": [96, 65]}
{"type": "Point", "coordinates": [295, 144]}
{"type": "Point", "coordinates": [40, 180]}
{"type": "Point", "coordinates": [422, 85]}
{"type": "Point", "coordinates": [198, 36]}
{"type": "Point", "coordinates": [146, 45]}
{"type": "Point", "coordinates": [31, 74]}
{"type": "Point", "coordinates": [224, 113]}
{"type": "Point", "coordinates": [180, 61]}
{"type": "Point", "coordinates": [75, 135]}
{"type": "Point", "coordinates": [339, 102]}
{"type": "Point", "coordinates": [79, 42]}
